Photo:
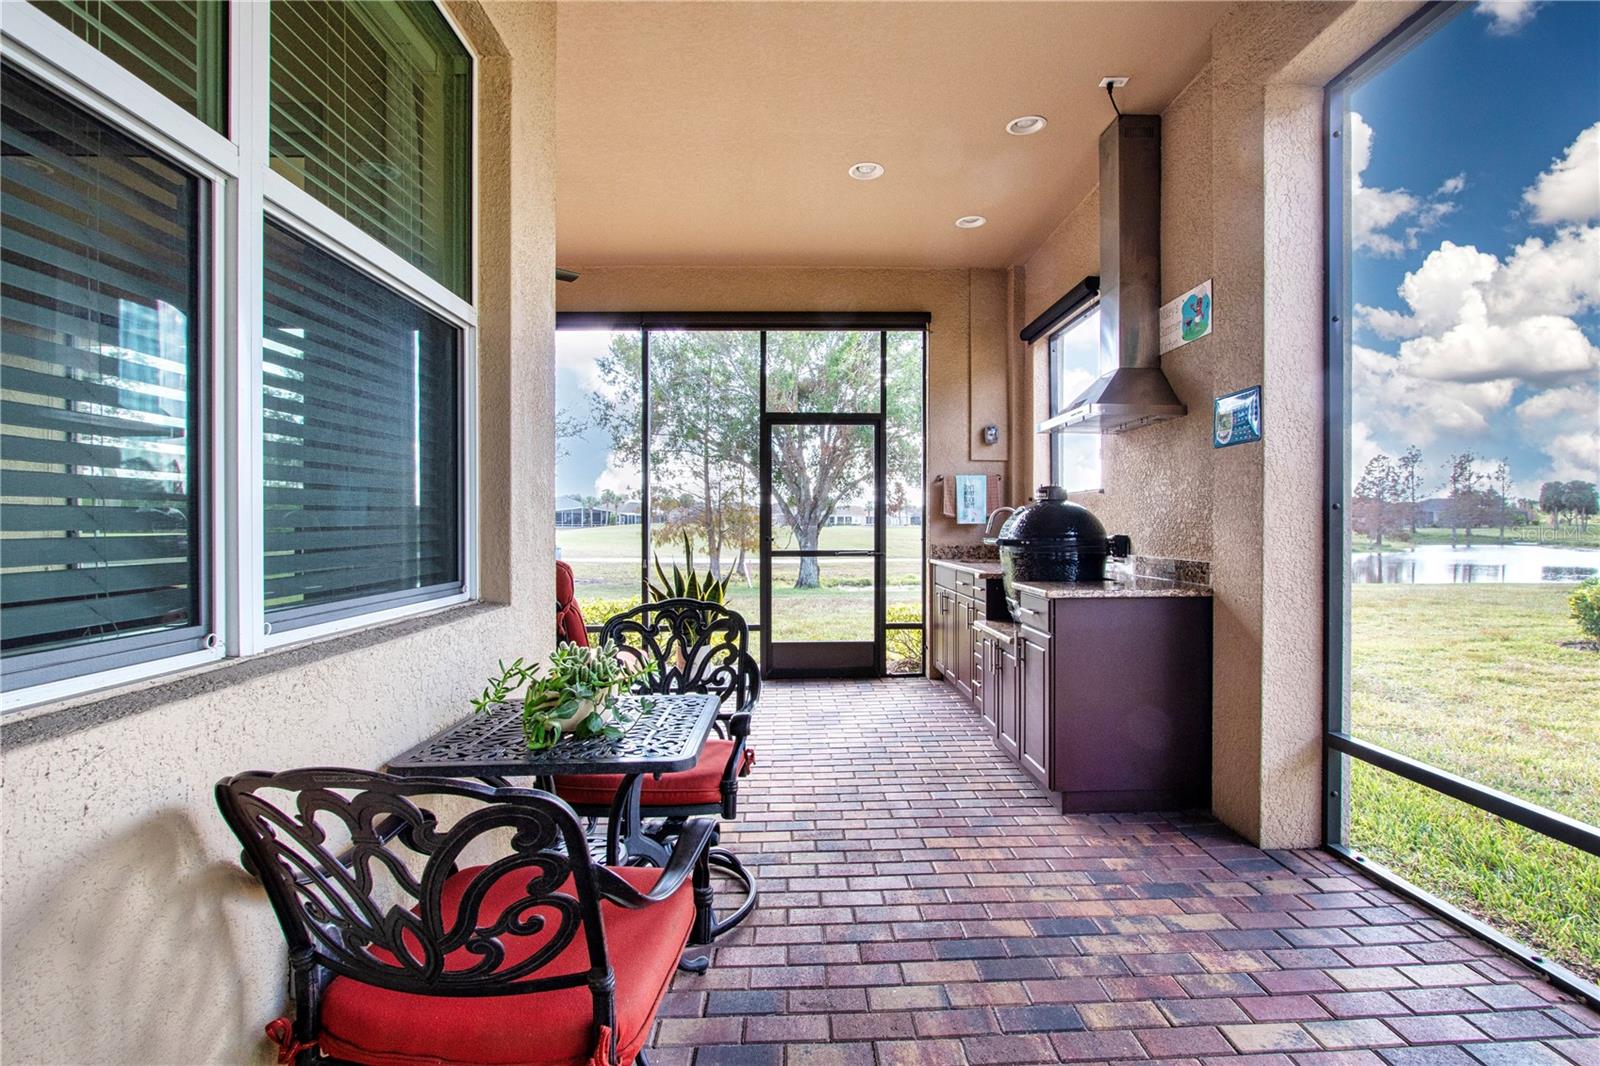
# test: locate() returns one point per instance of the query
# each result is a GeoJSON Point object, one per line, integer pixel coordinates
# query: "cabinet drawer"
{"type": "Point", "coordinates": [944, 577]}
{"type": "Point", "coordinates": [1033, 610]}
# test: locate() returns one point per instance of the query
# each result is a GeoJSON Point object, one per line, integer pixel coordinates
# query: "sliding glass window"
{"type": "Point", "coordinates": [362, 417]}
{"type": "Point", "coordinates": [371, 116]}
{"type": "Point", "coordinates": [179, 47]}
{"type": "Point", "coordinates": [236, 371]}
{"type": "Point", "coordinates": [1464, 748]}
{"type": "Point", "coordinates": [1075, 363]}
{"type": "Point", "coordinates": [104, 393]}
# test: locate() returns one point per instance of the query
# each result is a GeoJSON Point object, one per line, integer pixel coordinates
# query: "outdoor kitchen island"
{"type": "Point", "coordinates": [1100, 691]}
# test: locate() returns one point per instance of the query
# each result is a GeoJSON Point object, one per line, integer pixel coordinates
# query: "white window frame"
{"type": "Point", "coordinates": [243, 193]}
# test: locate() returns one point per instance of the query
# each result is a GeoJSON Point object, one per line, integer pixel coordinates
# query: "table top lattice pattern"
{"type": "Point", "coordinates": [666, 736]}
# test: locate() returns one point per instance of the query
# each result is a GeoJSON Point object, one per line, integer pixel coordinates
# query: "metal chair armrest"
{"type": "Point", "coordinates": [688, 851]}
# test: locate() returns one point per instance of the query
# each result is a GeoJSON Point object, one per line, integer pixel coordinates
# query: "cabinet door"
{"type": "Point", "coordinates": [939, 629]}
{"type": "Point", "coordinates": [1006, 717]}
{"type": "Point", "coordinates": [961, 647]}
{"type": "Point", "coordinates": [989, 694]}
{"type": "Point", "coordinates": [1036, 729]}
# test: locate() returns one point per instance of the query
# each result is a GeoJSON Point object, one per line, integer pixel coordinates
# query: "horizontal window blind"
{"type": "Point", "coordinates": [371, 108]}
{"type": "Point", "coordinates": [100, 375]}
{"type": "Point", "coordinates": [178, 46]}
{"type": "Point", "coordinates": [361, 422]}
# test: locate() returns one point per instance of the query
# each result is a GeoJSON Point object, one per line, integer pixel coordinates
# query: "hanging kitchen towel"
{"type": "Point", "coordinates": [947, 503]}
{"type": "Point", "coordinates": [996, 493]}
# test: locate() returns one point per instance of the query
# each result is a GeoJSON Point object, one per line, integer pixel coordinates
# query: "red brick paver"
{"type": "Point", "coordinates": [923, 905]}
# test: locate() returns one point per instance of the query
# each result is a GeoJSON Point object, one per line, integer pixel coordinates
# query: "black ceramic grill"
{"type": "Point", "coordinates": [1054, 539]}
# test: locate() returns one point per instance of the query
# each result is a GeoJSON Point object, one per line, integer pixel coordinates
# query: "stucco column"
{"type": "Point", "coordinates": [1269, 64]}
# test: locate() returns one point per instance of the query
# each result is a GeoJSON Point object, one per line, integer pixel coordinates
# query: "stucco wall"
{"type": "Point", "coordinates": [968, 342]}
{"type": "Point", "coordinates": [1242, 205]}
{"type": "Point", "coordinates": [1156, 482]}
{"type": "Point", "coordinates": [130, 933]}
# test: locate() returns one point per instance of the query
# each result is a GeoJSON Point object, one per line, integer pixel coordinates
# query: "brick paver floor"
{"type": "Point", "coordinates": [922, 905]}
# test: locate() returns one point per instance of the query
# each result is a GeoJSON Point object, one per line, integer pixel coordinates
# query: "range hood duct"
{"type": "Point", "coordinates": [1136, 393]}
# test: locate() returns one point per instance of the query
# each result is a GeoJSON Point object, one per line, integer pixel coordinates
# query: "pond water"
{"type": "Point", "coordinates": [1440, 564]}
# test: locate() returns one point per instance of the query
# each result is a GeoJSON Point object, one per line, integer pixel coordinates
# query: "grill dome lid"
{"type": "Point", "coordinates": [1055, 521]}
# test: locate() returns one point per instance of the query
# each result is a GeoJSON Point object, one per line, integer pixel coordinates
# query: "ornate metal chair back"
{"type": "Point", "coordinates": [694, 646]}
{"type": "Point", "coordinates": [355, 864]}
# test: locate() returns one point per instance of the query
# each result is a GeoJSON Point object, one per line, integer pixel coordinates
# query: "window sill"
{"type": "Point", "coordinates": [64, 717]}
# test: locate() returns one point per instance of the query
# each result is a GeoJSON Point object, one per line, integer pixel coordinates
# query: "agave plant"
{"type": "Point", "coordinates": [690, 586]}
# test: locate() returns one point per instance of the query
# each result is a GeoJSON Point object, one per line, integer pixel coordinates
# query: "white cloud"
{"type": "Point", "coordinates": [1559, 277]}
{"type": "Point", "coordinates": [1574, 457]}
{"type": "Point", "coordinates": [1397, 400]}
{"type": "Point", "coordinates": [1574, 406]}
{"type": "Point", "coordinates": [1507, 16]}
{"type": "Point", "coordinates": [1471, 318]}
{"type": "Point", "coordinates": [1570, 190]}
{"type": "Point", "coordinates": [1374, 210]}
{"type": "Point", "coordinates": [1567, 421]}
{"type": "Point", "coordinates": [1543, 348]}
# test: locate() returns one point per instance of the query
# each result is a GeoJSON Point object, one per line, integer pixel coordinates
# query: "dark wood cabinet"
{"type": "Point", "coordinates": [1036, 730]}
{"type": "Point", "coordinates": [1105, 701]}
{"type": "Point", "coordinates": [1007, 705]}
{"type": "Point", "coordinates": [961, 646]}
{"type": "Point", "coordinates": [989, 694]}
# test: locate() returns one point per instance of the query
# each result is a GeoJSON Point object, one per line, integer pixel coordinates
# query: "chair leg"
{"type": "Point", "coordinates": [640, 1059]}
{"type": "Point", "coordinates": [729, 863]}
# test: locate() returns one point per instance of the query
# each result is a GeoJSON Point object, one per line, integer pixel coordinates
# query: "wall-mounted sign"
{"type": "Point", "coordinates": [972, 499]}
{"type": "Point", "coordinates": [1188, 318]}
{"type": "Point", "coordinates": [1237, 418]}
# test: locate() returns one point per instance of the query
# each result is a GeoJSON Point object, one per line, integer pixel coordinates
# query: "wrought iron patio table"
{"type": "Point", "coordinates": [665, 736]}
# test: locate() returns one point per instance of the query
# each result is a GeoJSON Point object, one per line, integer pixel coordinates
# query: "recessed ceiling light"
{"type": "Point", "coordinates": [970, 221]}
{"type": "Point", "coordinates": [1026, 124]}
{"type": "Point", "coordinates": [866, 171]}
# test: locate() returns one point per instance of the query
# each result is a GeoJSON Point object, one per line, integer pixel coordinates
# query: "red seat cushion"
{"type": "Point", "coordinates": [363, 1023]}
{"type": "Point", "coordinates": [569, 617]}
{"type": "Point", "coordinates": [701, 786]}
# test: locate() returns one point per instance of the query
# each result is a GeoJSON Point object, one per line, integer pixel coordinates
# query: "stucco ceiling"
{"type": "Point", "coordinates": [720, 133]}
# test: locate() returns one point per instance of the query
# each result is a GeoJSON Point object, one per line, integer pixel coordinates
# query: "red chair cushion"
{"type": "Point", "coordinates": [569, 617]}
{"type": "Point", "coordinates": [701, 786]}
{"type": "Point", "coordinates": [363, 1023]}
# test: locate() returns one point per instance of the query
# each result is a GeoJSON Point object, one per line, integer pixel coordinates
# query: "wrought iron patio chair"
{"type": "Point", "coordinates": [691, 646]}
{"type": "Point", "coordinates": [400, 953]}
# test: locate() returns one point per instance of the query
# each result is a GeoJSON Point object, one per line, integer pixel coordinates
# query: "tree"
{"type": "Point", "coordinates": [589, 503]}
{"type": "Point", "coordinates": [705, 403]}
{"type": "Point", "coordinates": [567, 427]}
{"type": "Point", "coordinates": [1377, 506]}
{"type": "Point", "coordinates": [1501, 479]}
{"type": "Point", "coordinates": [612, 501]}
{"type": "Point", "coordinates": [1582, 500]}
{"type": "Point", "coordinates": [1575, 500]}
{"type": "Point", "coordinates": [1412, 488]}
{"type": "Point", "coordinates": [704, 421]}
{"type": "Point", "coordinates": [1468, 504]}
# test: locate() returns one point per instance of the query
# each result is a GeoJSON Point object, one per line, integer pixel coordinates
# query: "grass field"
{"type": "Point", "coordinates": [1565, 537]}
{"type": "Point", "coordinates": [605, 564]}
{"type": "Point", "coordinates": [1473, 679]}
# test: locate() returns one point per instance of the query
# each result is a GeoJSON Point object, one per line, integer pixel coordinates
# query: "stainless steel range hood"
{"type": "Point", "coordinates": [1136, 393]}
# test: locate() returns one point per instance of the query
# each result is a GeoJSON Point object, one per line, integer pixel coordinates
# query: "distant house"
{"type": "Point", "coordinates": [572, 514]}
{"type": "Point", "coordinates": [1433, 513]}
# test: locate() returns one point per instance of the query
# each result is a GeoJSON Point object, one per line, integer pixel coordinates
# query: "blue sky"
{"type": "Point", "coordinates": [1476, 272]}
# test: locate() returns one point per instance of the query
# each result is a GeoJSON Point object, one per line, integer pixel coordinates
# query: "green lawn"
{"type": "Point", "coordinates": [1565, 537]}
{"type": "Point", "coordinates": [605, 565]}
{"type": "Point", "coordinates": [1473, 679]}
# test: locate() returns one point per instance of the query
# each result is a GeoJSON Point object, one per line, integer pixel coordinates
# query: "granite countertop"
{"type": "Point", "coordinates": [1004, 631]}
{"type": "Point", "coordinates": [1116, 586]}
{"type": "Point", "coordinates": [977, 569]}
